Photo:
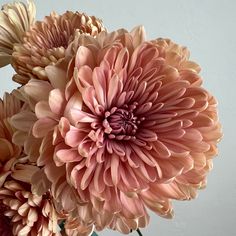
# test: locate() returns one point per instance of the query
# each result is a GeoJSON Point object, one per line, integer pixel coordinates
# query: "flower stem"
{"type": "Point", "coordinates": [94, 234]}
{"type": "Point", "coordinates": [62, 224]}
{"type": "Point", "coordinates": [139, 232]}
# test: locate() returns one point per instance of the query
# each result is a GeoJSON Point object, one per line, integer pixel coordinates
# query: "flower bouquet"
{"type": "Point", "coordinates": [103, 126]}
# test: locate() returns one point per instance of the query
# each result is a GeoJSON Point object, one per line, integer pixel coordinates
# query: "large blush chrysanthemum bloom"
{"type": "Point", "coordinates": [46, 42]}
{"type": "Point", "coordinates": [15, 20]}
{"type": "Point", "coordinates": [132, 129]}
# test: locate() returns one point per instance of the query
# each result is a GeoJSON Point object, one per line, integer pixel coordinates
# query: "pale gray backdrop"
{"type": "Point", "coordinates": [208, 28]}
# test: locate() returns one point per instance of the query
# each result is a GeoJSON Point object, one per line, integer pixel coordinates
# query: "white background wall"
{"type": "Point", "coordinates": [208, 29]}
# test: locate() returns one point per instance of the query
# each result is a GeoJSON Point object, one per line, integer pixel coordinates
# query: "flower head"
{"type": "Point", "coordinates": [132, 126]}
{"type": "Point", "coordinates": [15, 20]}
{"type": "Point", "coordinates": [27, 213]}
{"type": "Point", "coordinates": [46, 42]}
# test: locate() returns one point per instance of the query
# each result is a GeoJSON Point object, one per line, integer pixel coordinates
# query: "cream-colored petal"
{"type": "Point", "coordinates": [15, 20]}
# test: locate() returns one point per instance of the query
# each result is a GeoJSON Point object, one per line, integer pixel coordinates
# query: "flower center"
{"type": "Point", "coordinates": [122, 123]}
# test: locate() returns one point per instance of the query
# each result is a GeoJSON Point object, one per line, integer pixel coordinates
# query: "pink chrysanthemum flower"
{"type": "Point", "coordinates": [132, 129]}
{"type": "Point", "coordinates": [26, 213]}
{"type": "Point", "coordinates": [46, 42]}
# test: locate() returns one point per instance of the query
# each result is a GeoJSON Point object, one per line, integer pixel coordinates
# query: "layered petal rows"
{"type": "Point", "coordinates": [104, 126]}
{"type": "Point", "coordinates": [16, 19]}
{"type": "Point", "coordinates": [131, 124]}
{"type": "Point", "coordinates": [46, 42]}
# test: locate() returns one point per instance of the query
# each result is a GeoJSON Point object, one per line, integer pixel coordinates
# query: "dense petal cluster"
{"type": "Point", "coordinates": [15, 20]}
{"type": "Point", "coordinates": [104, 127]}
{"type": "Point", "coordinates": [21, 211]}
{"type": "Point", "coordinates": [27, 213]}
{"type": "Point", "coordinates": [127, 121]}
{"type": "Point", "coordinates": [46, 42]}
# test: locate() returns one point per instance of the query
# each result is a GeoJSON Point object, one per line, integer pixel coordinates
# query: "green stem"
{"type": "Point", "coordinates": [94, 234]}
{"type": "Point", "coordinates": [61, 224]}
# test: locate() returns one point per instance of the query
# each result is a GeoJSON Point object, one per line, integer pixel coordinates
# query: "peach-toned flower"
{"type": "Point", "coordinates": [133, 127]}
{"type": "Point", "coordinates": [9, 151]}
{"type": "Point", "coordinates": [27, 213]}
{"type": "Point", "coordinates": [15, 20]}
{"type": "Point", "coordinates": [46, 42]}
{"type": "Point", "coordinates": [176, 55]}
{"type": "Point", "coordinates": [19, 208]}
